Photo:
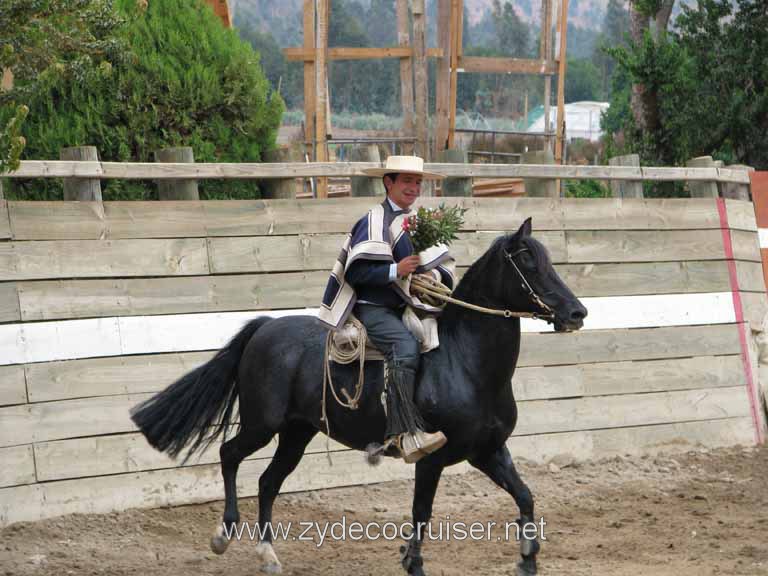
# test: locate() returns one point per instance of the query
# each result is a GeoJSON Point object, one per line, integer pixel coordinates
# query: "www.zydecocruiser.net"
{"type": "Point", "coordinates": [343, 530]}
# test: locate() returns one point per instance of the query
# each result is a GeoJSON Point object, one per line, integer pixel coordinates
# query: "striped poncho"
{"type": "Point", "coordinates": [379, 235]}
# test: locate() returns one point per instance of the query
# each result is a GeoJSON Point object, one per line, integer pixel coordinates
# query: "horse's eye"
{"type": "Point", "coordinates": [526, 260]}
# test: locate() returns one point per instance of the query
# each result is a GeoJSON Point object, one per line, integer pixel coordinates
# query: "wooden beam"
{"type": "Point", "coordinates": [443, 83]}
{"type": "Point", "coordinates": [406, 66]}
{"type": "Point", "coordinates": [421, 85]}
{"type": "Point", "coordinates": [321, 86]}
{"type": "Point", "coordinates": [357, 53]}
{"type": "Point", "coordinates": [562, 59]}
{"type": "Point", "coordinates": [546, 55]}
{"type": "Point", "coordinates": [505, 65]}
{"type": "Point", "coordinates": [309, 77]}
{"type": "Point", "coordinates": [256, 170]}
{"type": "Point", "coordinates": [455, 39]}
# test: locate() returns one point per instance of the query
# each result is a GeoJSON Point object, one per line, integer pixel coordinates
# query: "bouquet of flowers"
{"type": "Point", "coordinates": [432, 226]}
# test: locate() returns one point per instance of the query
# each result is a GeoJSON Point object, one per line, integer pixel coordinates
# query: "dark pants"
{"type": "Point", "coordinates": [388, 333]}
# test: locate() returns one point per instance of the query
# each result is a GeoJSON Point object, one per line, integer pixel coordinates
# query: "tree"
{"type": "Point", "coordinates": [613, 34]}
{"type": "Point", "coordinates": [186, 81]}
{"type": "Point", "coordinates": [582, 81]}
{"type": "Point", "coordinates": [512, 34]}
{"type": "Point", "coordinates": [43, 41]}
{"type": "Point", "coordinates": [710, 83]}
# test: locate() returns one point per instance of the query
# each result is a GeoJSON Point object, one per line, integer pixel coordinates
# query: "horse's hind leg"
{"type": "Point", "coordinates": [232, 453]}
{"type": "Point", "coordinates": [498, 467]}
{"type": "Point", "coordinates": [293, 440]}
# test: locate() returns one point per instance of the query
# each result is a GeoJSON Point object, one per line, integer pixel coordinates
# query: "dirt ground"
{"type": "Point", "coordinates": [698, 513]}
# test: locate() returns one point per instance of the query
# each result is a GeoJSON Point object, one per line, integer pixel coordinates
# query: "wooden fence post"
{"type": "Point", "coordinates": [626, 188]}
{"type": "Point", "coordinates": [735, 190]}
{"type": "Point", "coordinates": [702, 189]}
{"type": "Point", "coordinates": [82, 189]}
{"type": "Point", "coordinates": [176, 189]}
{"type": "Point", "coordinates": [455, 186]}
{"type": "Point", "coordinates": [282, 187]}
{"type": "Point", "coordinates": [540, 187]}
{"type": "Point", "coordinates": [365, 185]}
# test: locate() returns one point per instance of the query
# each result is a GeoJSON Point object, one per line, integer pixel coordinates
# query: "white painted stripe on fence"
{"type": "Point", "coordinates": [762, 234]}
{"type": "Point", "coordinates": [71, 339]}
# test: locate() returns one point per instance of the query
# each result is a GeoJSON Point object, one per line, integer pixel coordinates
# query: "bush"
{"type": "Point", "coordinates": [187, 81]}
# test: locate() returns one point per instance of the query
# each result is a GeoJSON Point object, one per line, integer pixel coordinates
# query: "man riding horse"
{"type": "Point", "coordinates": [370, 281]}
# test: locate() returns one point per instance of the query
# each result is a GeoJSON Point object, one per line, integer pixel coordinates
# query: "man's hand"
{"type": "Point", "coordinates": [407, 265]}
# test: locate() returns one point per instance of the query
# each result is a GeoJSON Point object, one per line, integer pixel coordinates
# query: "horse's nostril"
{"type": "Point", "coordinates": [578, 314]}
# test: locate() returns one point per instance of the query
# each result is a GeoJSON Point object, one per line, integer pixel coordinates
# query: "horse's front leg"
{"type": "Point", "coordinates": [498, 467]}
{"type": "Point", "coordinates": [427, 479]}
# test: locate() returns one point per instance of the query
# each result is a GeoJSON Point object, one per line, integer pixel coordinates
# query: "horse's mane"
{"type": "Point", "coordinates": [479, 268]}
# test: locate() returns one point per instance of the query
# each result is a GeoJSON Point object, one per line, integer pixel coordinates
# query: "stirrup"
{"type": "Point", "coordinates": [414, 446]}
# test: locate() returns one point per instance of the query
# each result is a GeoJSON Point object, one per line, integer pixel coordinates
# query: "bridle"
{"type": "Point", "coordinates": [548, 314]}
{"type": "Point", "coordinates": [434, 289]}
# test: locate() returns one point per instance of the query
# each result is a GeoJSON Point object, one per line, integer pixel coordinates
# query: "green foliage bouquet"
{"type": "Point", "coordinates": [432, 226]}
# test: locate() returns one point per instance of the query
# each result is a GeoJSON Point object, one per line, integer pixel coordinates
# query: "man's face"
{"type": "Point", "coordinates": [404, 190]}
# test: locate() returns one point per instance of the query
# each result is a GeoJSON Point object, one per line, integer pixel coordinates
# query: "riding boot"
{"type": "Point", "coordinates": [405, 427]}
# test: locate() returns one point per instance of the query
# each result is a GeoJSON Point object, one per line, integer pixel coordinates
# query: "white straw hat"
{"type": "Point", "coordinates": [403, 165]}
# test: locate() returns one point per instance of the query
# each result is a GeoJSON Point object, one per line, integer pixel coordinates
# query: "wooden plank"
{"type": "Point", "coordinates": [443, 83]}
{"type": "Point", "coordinates": [249, 171]}
{"type": "Point", "coordinates": [547, 416]}
{"type": "Point", "coordinates": [49, 300]}
{"type": "Point", "coordinates": [13, 387]}
{"type": "Point", "coordinates": [5, 224]}
{"type": "Point", "coordinates": [508, 214]}
{"type": "Point", "coordinates": [550, 382]}
{"type": "Point", "coordinates": [157, 219]}
{"type": "Point", "coordinates": [636, 278]}
{"type": "Point", "coordinates": [420, 78]}
{"type": "Point", "coordinates": [69, 379]}
{"type": "Point", "coordinates": [746, 246]}
{"type": "Point", "coordinates": [485, 65]}
{"type": "Point", "coordinates": [741, 215]}
{"type": "Point", "coordinates": [123, 453]}
{"type": "Point", "coordinates": [645, 246]}
{"type": "Point", "coordinates": [184, 486]}
{"type": "Point", "coordinates": [348, 53]}
{"type": "Point", "coordinates": [639, 214]}
{"type": "Point", "coordinates": [9, 303]}
{"type": "Point", "coordinates": [552, 349]}
{"type": "Point", "coordinates": [654, 310]}
{"type": "Point", "coordinates": [57, 220]}
{"type": "Point", "coordinates": [44, 341]}
{"type": "Point", "coordinates": [406, 66]}
{"type": "Point", "coordinates": [106, 258]}
{"type": "Point", "coordinates": [67, 419]}
{"type": "Point", "coordinates": [634, 441]}
{"type": "Point", "coordinates": [750, 276]}
{"type": "Point", "coordinates": [203, 483]}
{"type": "Point", "coordinates": [279, 217]}
{"type": "Point", "coordinates": [307, 252]}
{"type": "Point", "coordinates": [309, 77]}
{"type": "Point", "coordinates": [18, 466]}
{"type": "Point", "coordinates": [755, 307]}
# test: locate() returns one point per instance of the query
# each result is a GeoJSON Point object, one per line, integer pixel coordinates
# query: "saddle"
{"type": "Point", "coordinates": [351, 342]}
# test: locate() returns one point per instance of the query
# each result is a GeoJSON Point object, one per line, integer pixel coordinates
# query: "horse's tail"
{"type": "Point", "coordinates": [197, 407]}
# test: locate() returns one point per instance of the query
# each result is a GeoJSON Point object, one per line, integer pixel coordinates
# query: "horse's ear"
{"type": "Point", "coordinates": [525, 229]}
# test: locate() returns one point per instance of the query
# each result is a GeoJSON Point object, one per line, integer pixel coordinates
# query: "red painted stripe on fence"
{"type": "Point", "coordinates": [754, 400]}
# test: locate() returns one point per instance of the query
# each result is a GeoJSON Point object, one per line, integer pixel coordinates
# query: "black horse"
{"type": "Point", "coordinates": [275, 368]}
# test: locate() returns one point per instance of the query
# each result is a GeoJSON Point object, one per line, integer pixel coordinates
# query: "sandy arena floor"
{"type": "Point", "coordinates": [700, 513]}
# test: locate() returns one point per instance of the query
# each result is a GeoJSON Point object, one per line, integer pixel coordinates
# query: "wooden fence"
{"type": "Point", "coordinates": [104, 304]}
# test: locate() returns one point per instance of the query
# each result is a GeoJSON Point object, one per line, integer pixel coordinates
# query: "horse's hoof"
{"type": "Point", "coordinates": [270, 563]}
{"type": "Point", "coordinates": [219, 541]}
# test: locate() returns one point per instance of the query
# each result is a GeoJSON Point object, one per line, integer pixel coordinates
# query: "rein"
{"type": "Point", "coordinates": [436, 290]}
